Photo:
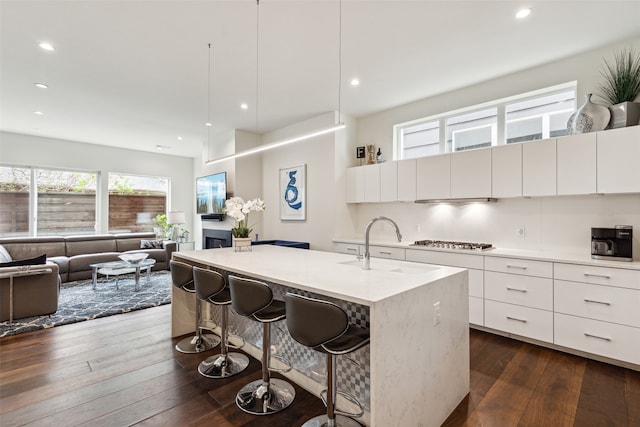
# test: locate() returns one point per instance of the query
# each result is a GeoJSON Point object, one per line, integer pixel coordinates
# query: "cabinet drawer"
{"type": "Point", "coordinates": [598, 275]}
{"type": "Point", "coordinates": [476, 283]}
{"type": "Point", "coordinates": [535, 292]}
{"type": "Point", "coordinates": [347, 248]}
{"type": "Point", "coordinates": [617, 305]}
{"type": "Point", "coordinates": [446, 258]}
{"type": "Point", "coordinates": [593, 336]}
{"type": "Point", "coordinates": [519, 266]}
{"type": "Point", "coordinates": [476, 311]}
{"type": "Point", "coordinates": [515, 319]}
{"type": "Point", "coordinates": [385, 252]}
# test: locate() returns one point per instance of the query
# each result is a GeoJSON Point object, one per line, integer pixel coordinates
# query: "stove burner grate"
{"type": "Point", "coordinates": [444, 244]}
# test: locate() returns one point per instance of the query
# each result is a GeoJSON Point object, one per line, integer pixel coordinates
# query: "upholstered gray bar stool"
{"type": "Point", "coordinates": [182, 278]}
{"type": "Point", "coordinates": [254, 299]}
{"type": "Point", "coordinates": [211, 287]}
{"type": "Point", "coordinates": [325, 327]}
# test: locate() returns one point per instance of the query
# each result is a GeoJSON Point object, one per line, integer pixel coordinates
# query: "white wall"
{"type": "Point", "coordinates": [28, 150]}
{"type": "Point", "coordinates": [553, 222]}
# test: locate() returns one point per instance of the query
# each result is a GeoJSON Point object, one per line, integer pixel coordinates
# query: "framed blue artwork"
{"type": "Point", "coordinates": [292, 193]}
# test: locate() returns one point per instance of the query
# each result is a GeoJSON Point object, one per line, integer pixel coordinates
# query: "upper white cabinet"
{"type": "Point", "coordinates": [407, 180]}
{"type": "Point", "coordinates": [539, 168]}
{"type": "Point", "coordinates": [576, 164]}
{"type": "Point", "coordinates": [433, 177]}
{"type": "Point", "coordinates": [506, 170]}
{"type": "Point", "coordinates": [355, 185]}
{"type": "Point", "coordinates": [388, 181]}
{"type": "Point", "coordinates": [618, 157]}
{"type": "Point", "coordinates": [371, 183]}
{"type": "Point", "coordinates": [471, 173]}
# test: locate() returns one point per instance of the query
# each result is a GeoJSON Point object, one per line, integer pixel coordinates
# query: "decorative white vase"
{"type": "Point", "coordinates": [589, 117]}
{"type": "Point", "coordinates": [241, 242]}
{"type": "Point", "coordinates": [624, 114]}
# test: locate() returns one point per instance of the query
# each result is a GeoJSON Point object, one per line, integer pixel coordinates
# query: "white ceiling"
{"type": "Point", "coordinates": [135, 73]}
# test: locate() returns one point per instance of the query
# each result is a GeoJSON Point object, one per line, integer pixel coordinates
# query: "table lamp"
{"type": "Point", "coordinates": [176, 218]}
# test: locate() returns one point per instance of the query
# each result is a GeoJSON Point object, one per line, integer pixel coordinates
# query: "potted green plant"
{"type": "Point", "coordinates": [621, 87]}
{"type": "Point", "coordinates": [161, 226]}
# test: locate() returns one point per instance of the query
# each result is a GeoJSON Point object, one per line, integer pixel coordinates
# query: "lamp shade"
{"type": "Point", "coordinates": [176, 217]}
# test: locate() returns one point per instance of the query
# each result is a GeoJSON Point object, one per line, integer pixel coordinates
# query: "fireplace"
{"type": "Point", "coordinates": [215, 238]}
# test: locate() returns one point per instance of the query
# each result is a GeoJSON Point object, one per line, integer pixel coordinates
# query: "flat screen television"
{"type": "Point", "coordinates": [211, 193]}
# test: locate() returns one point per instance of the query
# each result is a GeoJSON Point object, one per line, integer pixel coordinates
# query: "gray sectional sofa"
{"type": "Point", "coordinates": [71, 257]}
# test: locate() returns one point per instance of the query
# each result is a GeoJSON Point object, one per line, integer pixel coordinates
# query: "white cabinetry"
{"type": "Point", "coordinates": [471, 173]}
{"type": "Point", "coordinates": [371, 183]}
{"type": "Point", "coordinates": [506, 170]}
{"type": "Point", "coordinates": [386, 252]}
{"type": "Point", "coordinates": [355, 185]}
{"type": "Point", "coordinates": [433, 177]}
{"type": "Point", "coordinates": [618, 160]}
{"type": "Point", "coordinates": [407, 180]}
{"type": "Point", "coordinates": [596, 310]}
{"type": "Point", "coordinates": [474, 263]}
{"type": "Point", "coordinates": [347, 248]}
{"type": "Point", "coordinates": [519, 297]}
{"type": "Point", "coordinates": [576, 164]}
{"type": "Point", "coordinates": [539, 168]}
{"type": "Point", "coordinates": [388, 181]}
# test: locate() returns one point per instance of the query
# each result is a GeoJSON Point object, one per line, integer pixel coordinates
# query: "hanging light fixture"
{"type": "Point", "coordinates": [313, 134]}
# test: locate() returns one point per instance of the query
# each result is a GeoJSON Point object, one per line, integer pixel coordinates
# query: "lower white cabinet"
{"type": "Point", "coordinates": [347, 248]}
{"type": "Point", "coordinates": [516, 319]}
{"type": "Point", "coordinates": [528, 291]}
{"type": "Point", "coordinates": [476, 310]}
{"type": "Point", "coordinates": [606, 339]}
{"type": "Point", "coordinates": [385, 252]}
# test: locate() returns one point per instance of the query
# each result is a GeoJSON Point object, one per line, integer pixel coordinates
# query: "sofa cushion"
{"type": "Point", "coordinates": [4, 255]}
{"type": "Point", "coordinates": [30, 247]}
{"type": "Point", "coordinates": [41, 259]}
{"type": "Point", "coordinates": [80, 245]}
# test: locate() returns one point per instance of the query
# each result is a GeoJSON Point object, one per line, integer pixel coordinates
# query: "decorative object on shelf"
{"type": "Point", "coordinates": [360, 152]}
{"type": "Point", "coordinates": [239, 210]}
{"type": "Point", "coordinates": [589, 117]}
{"type": "Point", "coordinates": [371, 154]}
{"type": "Point", "coordinates": [292, 195]}
{"type": "Point", "coordinates": [174, 220]}
{"type": "Point", "coordinates": [621, 87]}
{"type": "Point", "coordinates": [379, 156]}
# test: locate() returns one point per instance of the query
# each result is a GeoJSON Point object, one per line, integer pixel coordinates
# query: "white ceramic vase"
{"type": "Point", "coordinates": [624, 114]}
{"type": "Point", "coordinates": [240, 243]}
{"type": "Point", "coordinates": [589, 117]}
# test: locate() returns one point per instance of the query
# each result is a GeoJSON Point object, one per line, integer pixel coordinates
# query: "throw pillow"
{"type": "Point", "coordinates": [4, 255]}
{"type": "Point", "coordinates": [151, 244]}
{"type": "Point", "coordinates": [42, 259]}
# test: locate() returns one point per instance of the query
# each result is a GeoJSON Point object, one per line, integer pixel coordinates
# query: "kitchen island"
{"type": "Point", "coordinates": [415, 370]}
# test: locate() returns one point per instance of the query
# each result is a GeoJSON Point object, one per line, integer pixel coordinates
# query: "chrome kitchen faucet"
{"type": "Point", "coordinates": [366, 260]}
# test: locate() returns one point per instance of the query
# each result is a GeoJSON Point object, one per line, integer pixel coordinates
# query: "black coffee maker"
{"type": "Point", "coordinates": [612, 243]}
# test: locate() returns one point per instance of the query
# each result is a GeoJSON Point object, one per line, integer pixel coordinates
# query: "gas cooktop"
{"type": "Point", "coordinates": [444, 244]}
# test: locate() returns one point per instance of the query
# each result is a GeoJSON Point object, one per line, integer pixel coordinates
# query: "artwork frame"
{"type": "Point", "coordinates": [292, 193]}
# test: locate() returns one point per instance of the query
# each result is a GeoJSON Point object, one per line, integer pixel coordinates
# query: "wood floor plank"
{"type": "Point", "coordinates": [602, 398]}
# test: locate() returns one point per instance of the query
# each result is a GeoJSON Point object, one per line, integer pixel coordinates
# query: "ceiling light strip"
{"type": "Point", "coordinates": [277, 144]}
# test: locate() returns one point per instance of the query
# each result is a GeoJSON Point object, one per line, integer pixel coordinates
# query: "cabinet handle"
{"type": "Point", "coordinates": [602, 276]}
{"type": "Point", "coordinates": [597, 302]}
{"type": "Point", "coordinates": [586, 334]}
{"type": "Point", "coordinates": [515, 318]}
{"type": "Point", "coordinates": [521, 267]}
{"type": "Point", "coordinates": [516, 289]}
{"type": "Point", "coordinates": [352, 249]}
{"type": "Point", "coordinates": [385, 253]}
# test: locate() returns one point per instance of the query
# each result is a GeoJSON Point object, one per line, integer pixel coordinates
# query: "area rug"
{"type": "Point", "coordinates": [79, 302]}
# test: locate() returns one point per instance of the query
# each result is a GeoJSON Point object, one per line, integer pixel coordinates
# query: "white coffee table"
{"type": "Point", "coordinates": [118, 268]}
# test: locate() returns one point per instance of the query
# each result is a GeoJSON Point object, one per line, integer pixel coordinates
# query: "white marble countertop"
{"type": "Point", "coordinates": [551, 255]}
{"type": "Point", "coordinates": [336, 275]}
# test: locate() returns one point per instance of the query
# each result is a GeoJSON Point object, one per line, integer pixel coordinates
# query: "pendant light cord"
{"type": "Point", "coordinates": [209, 124]}
{"type": "Point", "coordinates": [339, 60]}
{"type": "Point", "coordinates": [257, 60]}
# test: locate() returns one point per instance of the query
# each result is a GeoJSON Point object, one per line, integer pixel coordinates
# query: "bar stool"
{"type": "Point", "coordinates": [324, 327]}
{"type": "Point", "coordinates": [254, 299]}
{"type": "Point", "coordinates": [210, 287]}
{"type": "Point", "coordinates": [182, 278]}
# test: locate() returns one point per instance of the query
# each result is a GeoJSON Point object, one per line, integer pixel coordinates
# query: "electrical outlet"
{"type": "Point", "coordinates": [436, 313]}
{"type": "Point", "coordinates": [520, 232]}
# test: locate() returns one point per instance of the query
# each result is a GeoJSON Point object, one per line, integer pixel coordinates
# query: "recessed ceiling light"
{"type": "Point", "coordinates": [179, 138]}
{"type": "Point", "coordinates": [244, 106]}
{"type": "Point", "coordinates": [355, 81]}
{"type": "Point", "coordinates": [42, 86]}
{"type": "Point", "coordinates": [523, 13]}
{"type": "Point", "coordinates": [47, 46]}
{"type": "Point", "coordinates": [38, 113]}
{"type": "Point", "coordinates": [162, 147]}
{"type": "Point", "coordinates": [208, 124]}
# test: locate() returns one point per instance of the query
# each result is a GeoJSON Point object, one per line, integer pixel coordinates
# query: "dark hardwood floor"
{"type": "Point", "coordinates": [123, 370]}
